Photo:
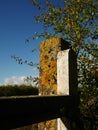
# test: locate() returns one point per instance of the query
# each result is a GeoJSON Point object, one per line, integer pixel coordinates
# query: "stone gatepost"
{"type": "Point", "coordinates": [66, 80]}
{"type": "Point", "coordinates": [48, 64]}
{"type": "Point", "coordinates": [67, 72]}
{"type": "Point", "coordinates": [48, 72]}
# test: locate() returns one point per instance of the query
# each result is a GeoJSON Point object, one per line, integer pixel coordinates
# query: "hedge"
{"type": "Point", "coordinates": [18, 90]}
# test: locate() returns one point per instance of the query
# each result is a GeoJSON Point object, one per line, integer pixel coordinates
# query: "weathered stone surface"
{"type": "Point", "coordinates": [63, 72]}
{"type": "Point", "coordinates": [48, 64]}
{"type": "Point", "coordinates": [66, 72]}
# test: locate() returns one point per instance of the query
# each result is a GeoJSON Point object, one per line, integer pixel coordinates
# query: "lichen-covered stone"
{"type": "Point", "coordinates": [48, 72]}
{"type": "Point", "coordinates": [48, 64]}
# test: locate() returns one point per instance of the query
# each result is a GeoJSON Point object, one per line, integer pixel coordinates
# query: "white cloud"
{"type": "Point", "coordinates": [14, 80]}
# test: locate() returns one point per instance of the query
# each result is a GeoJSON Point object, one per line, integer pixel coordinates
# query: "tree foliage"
{"type": "Point", "coordinates": [73, 20]}
{"type": "Point", "coordinates": [76, 21]}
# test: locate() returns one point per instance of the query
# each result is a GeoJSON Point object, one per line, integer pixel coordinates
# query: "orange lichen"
{"type": "Point", "coordinates": [55, 87]}
{"type": "Point", "coordinates": [45, 79]}
{"type": "Point", "coordinates": [48, 63]}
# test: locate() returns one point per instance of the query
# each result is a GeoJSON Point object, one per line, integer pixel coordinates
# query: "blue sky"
{"type": "Point", "coordinates": [16, 24]}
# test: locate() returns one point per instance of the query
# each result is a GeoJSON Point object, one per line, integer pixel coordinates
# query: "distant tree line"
{"type": "Point", "coordinates": [18, 90]}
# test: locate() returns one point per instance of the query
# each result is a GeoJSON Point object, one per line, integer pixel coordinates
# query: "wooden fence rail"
{"type": "Point", "coordinates": [19, 111]}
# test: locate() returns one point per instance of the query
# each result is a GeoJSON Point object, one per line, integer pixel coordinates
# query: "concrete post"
{"type": "Point", "coordinates": [66, 73]}
{"type": "Point", "coordinates": [66, 79]}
